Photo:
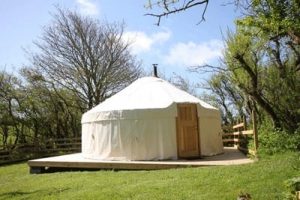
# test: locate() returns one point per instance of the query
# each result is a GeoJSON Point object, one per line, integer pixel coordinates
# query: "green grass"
{"type": "Point", "coordinates": [263, 180]}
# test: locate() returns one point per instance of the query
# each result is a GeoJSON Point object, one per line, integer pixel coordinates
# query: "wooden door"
{"type": "Point", "coordinates": [188, 145]}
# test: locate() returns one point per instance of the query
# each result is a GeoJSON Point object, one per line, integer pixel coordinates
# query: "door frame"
{"type": "Point", "coordinates": [198, 131]}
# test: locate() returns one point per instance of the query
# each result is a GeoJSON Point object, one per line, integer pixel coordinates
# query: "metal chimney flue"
{"type": "Point", "coordinates": [155, 70]}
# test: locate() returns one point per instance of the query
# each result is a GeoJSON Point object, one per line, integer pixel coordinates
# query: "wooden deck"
{"type": "Point", "coordinates": [231, 156]}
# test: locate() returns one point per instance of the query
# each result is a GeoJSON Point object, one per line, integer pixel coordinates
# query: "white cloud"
{"type": "Point", "coordinates": [87, 7]}
{"type": "Point", "coordinates": [142, 42]}
{"type": "Point", "coordinates": [191, 54]}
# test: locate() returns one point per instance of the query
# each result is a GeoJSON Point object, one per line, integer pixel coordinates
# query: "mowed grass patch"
{"type": "Point", "coordinates": [263, 180]}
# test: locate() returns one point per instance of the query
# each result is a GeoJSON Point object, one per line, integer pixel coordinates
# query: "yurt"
{"type": "Point", "coordinates": [151, 119]}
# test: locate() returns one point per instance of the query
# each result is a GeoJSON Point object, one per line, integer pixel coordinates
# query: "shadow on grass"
{"type": "Point", "coordinates": [8, 195]}
{"type": "Point", "coordinates": [66, 169]}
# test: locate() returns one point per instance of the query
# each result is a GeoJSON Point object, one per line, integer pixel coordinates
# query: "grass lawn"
{"type": "Point", "coordinates": [263, 180]}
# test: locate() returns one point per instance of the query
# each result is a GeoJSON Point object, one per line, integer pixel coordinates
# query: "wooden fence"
{"type": "Point", "coordinates": [239, 137]}
{"type": "Point", "coordinates": [39, 149]}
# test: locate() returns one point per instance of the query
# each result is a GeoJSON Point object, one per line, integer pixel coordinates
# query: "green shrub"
{"type": "Point", "coordinates": [292, 185]}
{"type": "Point", "coordinates": [274, 141]}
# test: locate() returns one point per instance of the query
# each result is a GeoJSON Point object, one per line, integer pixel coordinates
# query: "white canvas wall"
{"type": "Point", "coordinates": [148, 136]}
{"type": "Point", "coordinates": [210, 136]}
{"type": "Point", "coordinates": [210, 131]}
{"type": "Point", "coordinates": [145, 139]}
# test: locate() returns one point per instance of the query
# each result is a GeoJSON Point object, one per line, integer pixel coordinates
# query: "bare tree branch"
{"type": "Point", "coordinates": [169, 7]}
{"type": "Point", "coordinates": [207, 69]}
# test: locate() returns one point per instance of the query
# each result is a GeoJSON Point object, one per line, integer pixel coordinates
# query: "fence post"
{"type": "Point", "coordinates": [236, 144]}
{"type": "Point", "coordinates": [245, 122]}
{"type": "Point", "coordinates": [254, 130]}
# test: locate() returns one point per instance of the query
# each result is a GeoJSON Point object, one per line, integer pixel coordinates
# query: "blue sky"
{"type": "Point", "coordinates": [176, 44]}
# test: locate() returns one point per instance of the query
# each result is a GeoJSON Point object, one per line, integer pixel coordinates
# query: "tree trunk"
{"type": "Point", "coordinates": [253, 92]}
{"type": "Point", "coordinates": [268, 108]}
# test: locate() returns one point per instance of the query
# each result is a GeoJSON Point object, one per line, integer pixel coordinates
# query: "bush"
{"type": "Point", "coordinates": [274, 141]}
{"type": "Point", "coordinates": [292, 185]}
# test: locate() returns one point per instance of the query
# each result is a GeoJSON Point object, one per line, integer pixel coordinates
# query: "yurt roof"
{"type": "Point", "coordinates": [147, 93]}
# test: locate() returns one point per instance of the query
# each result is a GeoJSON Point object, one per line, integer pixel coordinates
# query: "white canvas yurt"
{"type": "Point", "coordinates": [151, 120]}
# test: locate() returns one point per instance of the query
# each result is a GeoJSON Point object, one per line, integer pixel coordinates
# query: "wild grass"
{"type": "Point", "coordinates": [263, 180]}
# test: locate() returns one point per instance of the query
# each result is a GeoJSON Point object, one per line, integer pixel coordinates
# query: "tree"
{"type": "Point", "coordinates": [262, 63]}
{"type": "Point", "coordinates": [32, 111]}
{"type": "Point", "coordinates": [85, 57]}
{"type": "Point", "coordinates": [182, 83]}
{"type": "Point", "coordinates": [50, 112]}
{"type": "Point", "coordinates": [11, 115]}
{"type": "Point", "coordinates": [230, 99]}
{"type": "Point", "coordinates": [264, 59]}
{"type": "Point", "coordinates": [275, 19]}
